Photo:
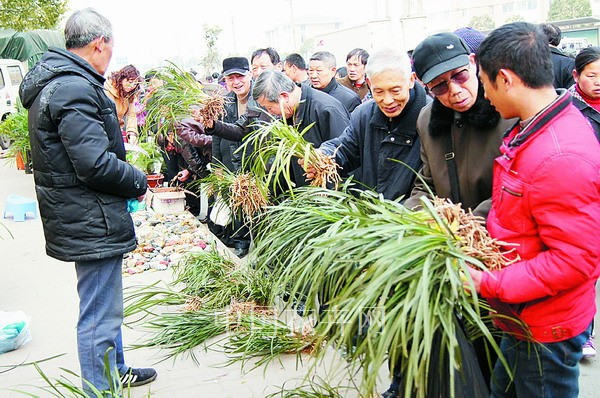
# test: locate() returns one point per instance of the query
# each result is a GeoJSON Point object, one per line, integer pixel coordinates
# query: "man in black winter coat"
{"type": "Point", "coordinates": [383, 130]}
{"type": "Point", "coordinates": [82, 183]}
{"type": "Point", "coordinates": [321, 70]}
{"type": "Point", "coordinates": [301, 107]}
{"type": "Point", "coordinates": [238, 80]}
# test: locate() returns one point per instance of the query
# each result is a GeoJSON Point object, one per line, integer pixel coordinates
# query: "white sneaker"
{"type": "Point", "coordinates": [589, 348]}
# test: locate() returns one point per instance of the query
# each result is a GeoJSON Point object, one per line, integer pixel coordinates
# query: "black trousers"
{"type": "Point", "coordinates": [469, 382]}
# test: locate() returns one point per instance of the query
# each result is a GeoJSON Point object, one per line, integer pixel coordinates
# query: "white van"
{"type": "Point", "coordinates": [11, 75]}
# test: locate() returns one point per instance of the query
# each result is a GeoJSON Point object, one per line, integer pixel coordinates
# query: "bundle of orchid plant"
{"type": "Point", "coordinates": [382, 280]}
{"type": "Point", "coordinates": [276, 145]}
{"type": "Point", "coordinates": [193, 308]}
{"type": "Point", "coordinates": [245, 194]}
{"type": "Point", "coordinates": [179, 96]}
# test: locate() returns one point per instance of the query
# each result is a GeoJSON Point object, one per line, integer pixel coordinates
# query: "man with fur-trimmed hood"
{"type": "Point", "coordinates": [460, 126]}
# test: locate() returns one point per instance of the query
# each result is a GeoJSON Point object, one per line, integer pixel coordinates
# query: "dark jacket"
{"type": "Point", "coordinates": [195, 159]}
{"type": "Point", "coordinates": [476, 134]}
{"type": "Point", "coordinates": [82, 180]}
{"type": "Point", "coordinates": [192, 132]}
{"type": "Point", "coordinates": [329, 116]}
{"type": "Point", "coordinates": [563, 66]}
{"type": "Point", "coordinates": [330, 120]}
{"type": "Point", "coordinates": [591, 114]}
{"type": "Point", "coordinates": [236, 131]}
{"type": "Point", "coordinates": [222, 148]}
{"type": "Point", "coordinates": [373, 142]}
{"type": "Point", "coordinates": [347, 97]}
{"type": "Point", "coordinates": [194, 146]}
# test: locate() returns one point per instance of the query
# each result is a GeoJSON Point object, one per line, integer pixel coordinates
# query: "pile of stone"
{"type": "Point", "coordinates": [163, 239]}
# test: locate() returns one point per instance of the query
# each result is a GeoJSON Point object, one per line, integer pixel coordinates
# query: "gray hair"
{"type": "Point", "coordinates": [84, 26]}
{"type": "Point", "coordinates": [388, 59]}
{"type": "Point", "coordinates": [270, 84]}
{"type": "Point", "coordinates": [326, 57]}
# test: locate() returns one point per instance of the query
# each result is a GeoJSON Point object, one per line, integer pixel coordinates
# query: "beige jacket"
{"type": "Point", "coordinates": [125, 109]}
{"type": "Point", "coordinates": [362, 91]}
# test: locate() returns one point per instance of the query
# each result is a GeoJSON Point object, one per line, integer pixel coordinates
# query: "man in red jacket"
{"type": "Point", "coordinates": [546, 203]}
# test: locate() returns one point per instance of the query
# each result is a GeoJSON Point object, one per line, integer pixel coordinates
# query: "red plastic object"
{"type": "Point", "coordinates": [155, 180]}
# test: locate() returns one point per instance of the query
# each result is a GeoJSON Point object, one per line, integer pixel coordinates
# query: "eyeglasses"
{"type": "Point", "coordinates": [458, 78]}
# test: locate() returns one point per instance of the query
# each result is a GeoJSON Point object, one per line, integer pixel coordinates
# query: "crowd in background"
{"type": "Point", "coordinates": [374, 110]}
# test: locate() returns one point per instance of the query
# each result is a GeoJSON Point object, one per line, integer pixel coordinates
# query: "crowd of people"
{"type": "Point", "coordinates": [504, 124]}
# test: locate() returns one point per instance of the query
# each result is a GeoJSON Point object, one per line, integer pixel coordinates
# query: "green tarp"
{"type": "Point", "coordinates": [28, 46]}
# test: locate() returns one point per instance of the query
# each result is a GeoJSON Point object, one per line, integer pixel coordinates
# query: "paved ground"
{"type": "Point", "coordinates": [45, 290]}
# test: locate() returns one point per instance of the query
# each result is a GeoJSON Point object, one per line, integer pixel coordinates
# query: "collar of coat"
{"type": "Point", "coordinates": [482, 115]}
{"type": "Point", "coordinates": [330, 86]}
{"type": "Point", "coordinates": [110, 87]}
{"type": "Point", "coordinates": [579, 102]}
{"type": "Point", "coordinates": [556, 51]}
{"type": "Point", "coordinates": [406, 121]}
{"type": "Point", "coordinates": [540, 120]}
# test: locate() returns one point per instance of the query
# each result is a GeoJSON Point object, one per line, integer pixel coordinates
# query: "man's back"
{"type": "Point", "coordinates": [78, 158]}
{"type": "Point", "coordinates": [327, 116]}
{"type": "Point", "coordinates": [563, 66]}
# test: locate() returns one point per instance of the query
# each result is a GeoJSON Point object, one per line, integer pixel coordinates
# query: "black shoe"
{"type": "Point", "coordinates": [138, 377]}
{"type": "Point", "coordinates": [395, 385]}
{"type": "Point", "coordinates": [391, 393]}
{"type": "Point", "coordinates": [240, 251]}
{"type": "Point", "coordinates": [301, 308]}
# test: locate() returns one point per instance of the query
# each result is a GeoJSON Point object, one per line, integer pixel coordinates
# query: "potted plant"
{"type": "Point", "coordinates": [14, 130]}
{"type": "Point", "coordinates": [147, 157]}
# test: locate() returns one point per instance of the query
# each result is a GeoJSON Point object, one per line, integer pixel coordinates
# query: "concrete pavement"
{"type": "Point", "coordinates": [45, 289]}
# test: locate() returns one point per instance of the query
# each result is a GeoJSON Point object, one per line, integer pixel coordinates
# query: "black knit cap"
{"type": "Point", "coordinates": [438, 54]}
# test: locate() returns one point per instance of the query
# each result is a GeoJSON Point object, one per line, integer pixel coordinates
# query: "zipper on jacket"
{"type": "Point", "coordinates": [511, 192]}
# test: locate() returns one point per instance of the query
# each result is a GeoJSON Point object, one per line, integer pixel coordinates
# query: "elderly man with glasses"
{"type": "Point", "coordinates": [460, 130]}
